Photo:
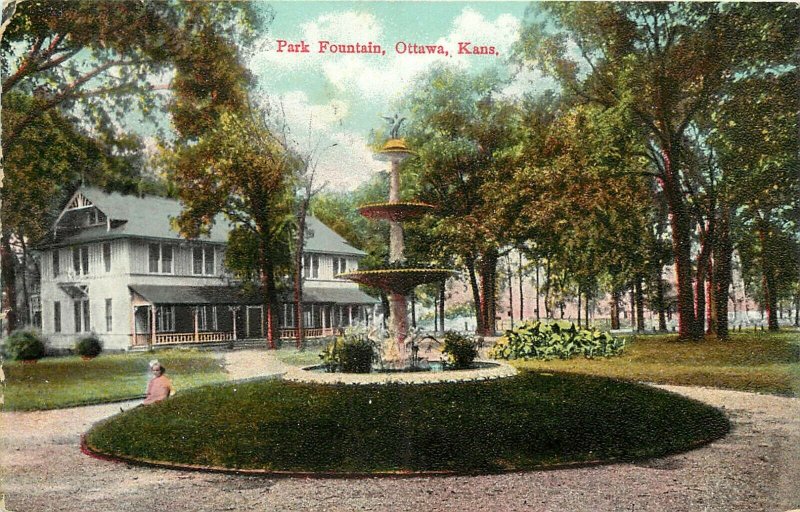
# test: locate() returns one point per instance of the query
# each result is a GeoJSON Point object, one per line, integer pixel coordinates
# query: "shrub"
{"type": "Point", "coordinates": [24, 346]}
{"type": "Point", "coordinates": [538, 340]}
{"type": "Point", "coordinates": [461, 350]}
{"type": "Point", "coordinates": [89, 346]}
{"type": "Point", "coordinates": [349, 353]}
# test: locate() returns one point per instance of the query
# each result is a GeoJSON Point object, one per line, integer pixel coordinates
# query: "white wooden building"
{"type": "Point", "coordinates": [114, 265]}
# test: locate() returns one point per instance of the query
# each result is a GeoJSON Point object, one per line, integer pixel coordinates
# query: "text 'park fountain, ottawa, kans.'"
{"type": "Point", "coordinates": [399, 351]}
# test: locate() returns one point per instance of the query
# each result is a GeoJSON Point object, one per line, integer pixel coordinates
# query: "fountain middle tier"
{"type": "Point", "coordinates": [398, 280]}
{"type": "Point", "coordinates": [396, 211]}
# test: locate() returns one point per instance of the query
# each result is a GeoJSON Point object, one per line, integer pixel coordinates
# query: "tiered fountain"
{"type": "Point", "coordinates": [396, 279]}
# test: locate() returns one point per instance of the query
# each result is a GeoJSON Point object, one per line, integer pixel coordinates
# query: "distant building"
{"type": "Point", "coordinates": [115, 266]}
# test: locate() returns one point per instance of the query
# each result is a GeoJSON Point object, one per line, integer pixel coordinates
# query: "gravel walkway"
{"type": "Point", "coordinates": [755, 468]}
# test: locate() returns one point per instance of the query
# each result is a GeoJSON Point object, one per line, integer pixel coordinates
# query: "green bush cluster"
{"type": "Point", "coordinates": [562, 340]}
{"type": "Point", "coordinates": [89, 346]}
{"type": "Point", "coordinates": [461, 350]}
{"type": "Point", "coordinates": [24, 346]}
{"type": "Point", "coordinates": [349, 353]}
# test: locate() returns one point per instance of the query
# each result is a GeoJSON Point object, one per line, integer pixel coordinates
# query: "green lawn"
{"type": "Point", "coordinates": [528, 421]}
{"type": "Point", "coordinates": [56, 382]}
{"type": "Point", "coordinates": [762, 362]}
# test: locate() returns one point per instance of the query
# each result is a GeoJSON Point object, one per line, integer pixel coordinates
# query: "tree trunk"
{"type": "Point", "coordinates": [488, 275]}
{"type": "Point", "coordinates": [547, 276]}
{"type": "Point", "coordinates": [639, 295]}
{"type": "Point", "coordinates": [588, 298]}
{"type": "Point", "coordinates": [722, 253]}
{"type": "Point", "coordinates": [476, 294]}
{"type": "Point", "coordinates": [769, 281]}
{"type": "Point", "coordinates": [615, 309]}
{"type": "Point", "coordinates": [441, 305]}
{"type": "Point", "coordinates": [413, 310]}
{"type": "Point", "coordinates": [9, 278]}
{"type": "Point", "coordinates": [386, 308]}
{"type": "Point", "coordinates": [633, 309]}
{"type": "Point", "coordinates": [521, 298]}
{"type": "Point", "coordinates": [25, 312]}
{"type": "Point", "coordinates": [298, 274]}
{"type": "Point", "coordinates": [579, 305]}
{"type": "Point", "coordinates": [536, 310]}
{"type": "Point", "coordinates": [680, 223]}
{"type": "Point", "coordinates": [510, 292]}
{"type": "Point", "coordinates": [267, 278]}
{"type": "Point", "coordinates": [662, 316]}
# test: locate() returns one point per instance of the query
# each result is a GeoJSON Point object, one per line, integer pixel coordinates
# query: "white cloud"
{"type": "Point", "coordinates": [343, 158]}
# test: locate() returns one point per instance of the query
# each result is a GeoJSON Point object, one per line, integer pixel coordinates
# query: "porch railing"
{"type": "Point", "coordinates": [173, 338]}
{"type": "Point", "coordinates": [318, 332]}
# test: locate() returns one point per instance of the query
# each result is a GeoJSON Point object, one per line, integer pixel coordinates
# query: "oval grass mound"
{"type": "Point", "coordinates": [529, 421]}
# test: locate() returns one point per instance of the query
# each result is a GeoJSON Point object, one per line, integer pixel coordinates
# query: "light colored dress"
{"type": "Point", "coordinates": [158, 389]}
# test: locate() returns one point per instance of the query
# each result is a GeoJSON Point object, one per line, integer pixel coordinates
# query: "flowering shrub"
{"type": "Point", "coordinates": [461, 350]}
{"type": "Point", "coordinates": [538, 340]}
{"type": "Point", "coordinates": [24, 346]}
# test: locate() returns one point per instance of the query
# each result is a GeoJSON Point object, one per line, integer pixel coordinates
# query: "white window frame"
{"type": "Point", "coordinates": [106, 255]}
{"type": "Point", "coordinates": [80, 260]}
{"type": "Point", "coordinates": [109, 316]}
{"type": "Point", "coordinates": [56, 262]}
{"type": "Point", "coordinates": [207, 261]}
{"type": "Point", "coordinates": [160, 266]}
{"type": "Point", "coordinates": [165, 319]}
{"type": "Point", "coordinates": [311, 266]}
{"type": "Point", "coordinates": [81, 315]}
{"type": "Point", "coordinates": [56, 316]}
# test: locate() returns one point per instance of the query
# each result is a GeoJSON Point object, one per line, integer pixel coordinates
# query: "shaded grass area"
{"type": "Point", "coordinates": [518, 423]}
{"type": "Point", "coordinates": [56, 382]}
{"type": "Point", "coordinates": [761, 362]}
{"type": "Point", "coordinates": [306, 357]}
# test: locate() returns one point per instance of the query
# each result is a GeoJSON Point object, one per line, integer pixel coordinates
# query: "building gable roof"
{"type": "Point", "coordinates": [151, 217]}
{"type": "Point", "coordinates": [321, 238]}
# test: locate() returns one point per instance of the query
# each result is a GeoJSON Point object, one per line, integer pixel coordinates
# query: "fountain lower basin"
{"type": "Point", "coordinates": [482, 370]}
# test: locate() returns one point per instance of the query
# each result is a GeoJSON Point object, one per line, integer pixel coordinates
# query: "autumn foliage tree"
{"type": "Point", "coordinates": [670, 62]}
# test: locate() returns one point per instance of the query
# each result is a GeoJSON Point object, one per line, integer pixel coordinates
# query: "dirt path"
{"type": "Point", "coordinates": [755, 468]}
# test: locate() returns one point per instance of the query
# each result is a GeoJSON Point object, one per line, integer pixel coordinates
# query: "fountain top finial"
{"type": "Point", "coordinates": [394, 125]}
{"type": "Point", "coordinates": [395, 148]}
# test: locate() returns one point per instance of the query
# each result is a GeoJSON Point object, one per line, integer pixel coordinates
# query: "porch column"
{"type": "Point", "coordinates": [133, 327]}
{"type": "Point", "coordinates": [322, 314]}
{"type": "Point", "coordinates": [152, 324]}
{"type": "Point", "coordinates": [233, 310]}
{"type": "Point", "coordinates": [196, 330]}
{"type": "Point", "coordinates": [350, 314]}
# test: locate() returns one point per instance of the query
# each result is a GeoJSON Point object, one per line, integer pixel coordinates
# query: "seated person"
{"type": "Point", "coordinates": [159, 387]}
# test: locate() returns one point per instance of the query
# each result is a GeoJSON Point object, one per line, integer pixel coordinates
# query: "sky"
{"type": "Point", "coordinates": [331, 101]}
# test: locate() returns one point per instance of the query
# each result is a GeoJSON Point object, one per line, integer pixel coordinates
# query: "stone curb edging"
{"type": "Point", "coordinates": [266, 473]}
{"type": "Point", "coordinates": [501, 370]}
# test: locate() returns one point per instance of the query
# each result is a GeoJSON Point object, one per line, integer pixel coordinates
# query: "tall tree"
{"type": "Point", "coordinates": [668, 61]}
{"type": "Point", "coordinates": [239, 169]}
{"type": "Point", "coordinates": [464, 137]}
{"type": "Point", "coordinates": [92, 61]}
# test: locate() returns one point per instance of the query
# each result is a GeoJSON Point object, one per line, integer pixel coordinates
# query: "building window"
{"type": "Point", "coordinates": [56, 263]}
{"type": "Point", "coordinates": [82, 319]}
{"type": "Point", "coordinates": [339, 266]}
{"type": "Point", "coordinates": [288, 315]}
{"type": "Point", "coordinates": [80, 260]}
{"type": "Point", "coordinates": [109, 323]}
{"type": "Point", "coordinates": [160, 257]}
{"type": "Point", "coordinates": [56, 316]}
{"type": "Point", "coordinates": [165, 319]}
{"type": "Point", "coordinates": [203, 260]}
{"type": "Point", "coordinates": [311, 266]}
{"type": "Point", "coordinates": [107, 256]}
{"type": "Point", "coordinates": [206, 318]}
